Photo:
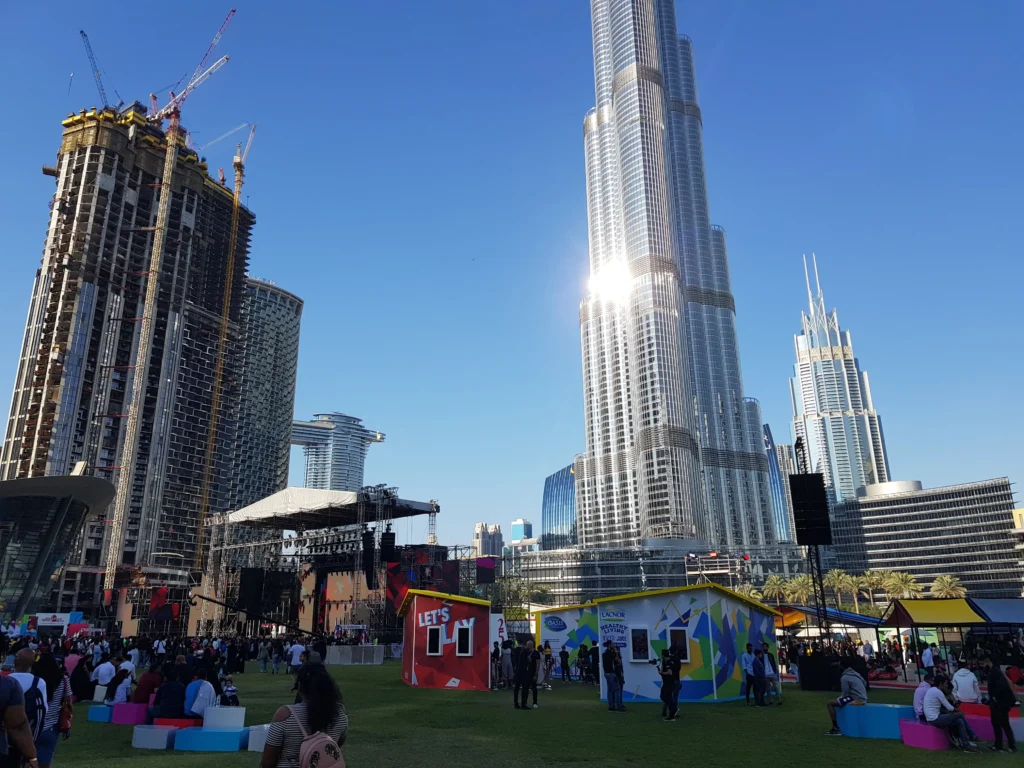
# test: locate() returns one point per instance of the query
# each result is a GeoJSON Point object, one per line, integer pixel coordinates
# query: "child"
{"type": "Point", "coordinates": [230, 696]}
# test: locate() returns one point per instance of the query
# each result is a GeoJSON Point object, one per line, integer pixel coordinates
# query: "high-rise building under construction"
{"type": "Point", "coordinates": [673, 448]}
{"type": "Point", "coordinates": [78, 360]}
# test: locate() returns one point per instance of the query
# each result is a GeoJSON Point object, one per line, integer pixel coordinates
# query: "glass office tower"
{"type": "Point", "coordinates": [780, 467]}
{"type": "Point", "coordinates": [673, 448]}
{"type": "Point", "coordinates": [558, 510]}
{"type": "Point", "coordinates": [832, 407]}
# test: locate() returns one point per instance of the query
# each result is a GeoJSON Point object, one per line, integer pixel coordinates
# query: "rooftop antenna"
{"type": "Point", "coordinates": [807, 279]}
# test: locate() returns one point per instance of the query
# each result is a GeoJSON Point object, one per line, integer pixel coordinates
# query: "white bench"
{"type": "Point", "coordinates": [258, 737]}
{"type": "Point", "coordinates": [224, 717]}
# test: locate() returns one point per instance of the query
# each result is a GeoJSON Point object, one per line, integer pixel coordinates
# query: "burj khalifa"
{"type": "Point", "coordinates": [673, 448]}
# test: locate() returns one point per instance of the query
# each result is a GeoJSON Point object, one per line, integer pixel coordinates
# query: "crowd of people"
{"type": "Point", "coordinates": [184, 677]}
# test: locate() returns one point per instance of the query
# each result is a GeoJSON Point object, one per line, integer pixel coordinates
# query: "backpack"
{"type": "Point", "coordinates": [35, 708]}
{"type": "Point", "coordinates": [318, 750]}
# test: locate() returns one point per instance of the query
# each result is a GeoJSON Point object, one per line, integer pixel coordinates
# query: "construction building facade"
{"type": "Point", "coordinates": [78, 360]}
{"type": "Point", "coordinates": [268, 366]}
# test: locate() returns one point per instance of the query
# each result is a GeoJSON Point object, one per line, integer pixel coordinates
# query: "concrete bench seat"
{"type": "Point", "coordinates": [224, 717]}
{"type": "Point", "coordinates": [873, 721]}
{"type": "Point", "coordinates": [923, 736]}
{"type": "Point", "coordinates": [258, 737]}
{"type": "Point", "coordinates": [211, 739]}
{"type": "Point", "coordinates": [153, 736]}
{"type": "Point", "coordinates": [99, 694]}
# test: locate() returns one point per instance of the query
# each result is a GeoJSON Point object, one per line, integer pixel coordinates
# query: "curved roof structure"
{"type": "Point", "coordinates": [302, 508]}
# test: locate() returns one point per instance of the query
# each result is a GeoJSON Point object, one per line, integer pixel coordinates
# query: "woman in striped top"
{"type": "Point", "coordinates": [59, 689]}
{"type": "Point", "coordinates": [321, 709]}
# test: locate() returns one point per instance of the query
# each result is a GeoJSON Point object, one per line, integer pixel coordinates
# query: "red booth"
{"type": "Point", "coordinates": [446, 641]}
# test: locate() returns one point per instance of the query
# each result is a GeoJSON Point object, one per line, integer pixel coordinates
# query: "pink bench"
{"type": "Point", "coordinates": [129, 714]}
{"type": "Point", "coordinates": [982, 726]}
{"type": "Point", "coordinates": [914, 733]}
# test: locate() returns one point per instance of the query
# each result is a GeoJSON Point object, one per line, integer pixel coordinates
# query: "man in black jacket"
{"type": "Point", "coordinates": [526, 676]}
{"type": "Point", "coordinates": [1001, 701]}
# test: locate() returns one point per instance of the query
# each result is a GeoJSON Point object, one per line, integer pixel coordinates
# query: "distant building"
{"type": "Point", "coordinates": [780, 467]}
{"type": "Point", "coordinates": [965, 531]}
{"type": "Point", "coordinates": [335, 446]}
{"type": "Point", "coordinates": [521, 545]}
{"type": "Point", "coordinates": [522, 529]}
{"type": "Point", "coordinates": [558, 510]}
{"type": "Point", "coordinates": [269, 361]}
{"type": "Point", "coordinates": [487, 540]}
{"type": "Point", "coordinates": [832, 407]}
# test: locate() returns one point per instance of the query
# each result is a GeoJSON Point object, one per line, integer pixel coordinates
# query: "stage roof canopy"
{"type": "Point", "coordinates": [298, 509]}
{"type": "Point", "coordinates": [797, 614]}
{"type": "Point", "coordinates": [999, 610]}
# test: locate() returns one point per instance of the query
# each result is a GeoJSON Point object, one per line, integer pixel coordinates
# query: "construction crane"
{"type": "Point", "coordinates": [223, 136]}
{"type": "Point", "coordinates": [218, 372]}
{"type": "Point", "coordinates": [122, 500]}
{"type": "Point", "coordinates": [95, 68]}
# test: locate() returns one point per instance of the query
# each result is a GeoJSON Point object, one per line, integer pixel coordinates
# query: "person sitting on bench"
{"type": "Point", "coordinates": [919, 693]}
{"type": "Point", "coordinates": [935, 701]}
{"type": "Point", "coordinates": [854, 691]}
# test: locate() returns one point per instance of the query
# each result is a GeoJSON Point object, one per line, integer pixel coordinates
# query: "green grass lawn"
{"type": "Point", "coordinates": [394, 725]}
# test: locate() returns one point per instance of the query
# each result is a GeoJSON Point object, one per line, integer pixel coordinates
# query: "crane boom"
{"type": "Point", "coordinates": [213, 44]}
{"type": "Point", "coordinates": [223, 136]}
{"type": "Point", "coordinates": [95, 67]}
{"type": "Point", "coordinates": [175, 103]}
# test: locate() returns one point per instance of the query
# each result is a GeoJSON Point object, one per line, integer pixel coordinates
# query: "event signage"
{"type": "Point", "coordinates": [434, 617]}
{"type": "Point", "coordinates": [555, 624]}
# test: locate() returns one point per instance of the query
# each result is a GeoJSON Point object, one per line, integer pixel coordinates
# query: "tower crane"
{"type": "Point", "coordinates": [218, 372]}
{"type": "Point", "coordinates": [95, 68]}
{"type": "Point", "coordinates": [223, 136]}
{"type": "Point", "coordinates": [122, 500]}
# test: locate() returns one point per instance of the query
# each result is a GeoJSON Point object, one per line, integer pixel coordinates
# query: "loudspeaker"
{"type": "Point", "coordinates": [250, 590]}
{"type": "Point", "coordinates": [387, 547]}
{"type": "Point", "coordinates": [810, 509]}
{"type": "Point", "coordinates": [368, 553]}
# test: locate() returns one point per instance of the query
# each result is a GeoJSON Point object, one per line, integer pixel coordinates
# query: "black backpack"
{"type": "Point", "coordinates": [35, 708]}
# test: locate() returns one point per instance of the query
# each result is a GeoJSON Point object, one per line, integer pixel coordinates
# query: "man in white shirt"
{"type": "Point", "coordinates": [126, 664]}
{"type": "Point", "coordinates": [919, 693]}
{"type": "Point", "coordinates": [927, 659]}
{"type": "Point", "coordinates": [23, 661]}
{"type": "Point", "coordinates": [747, 665]}
{"type": "Point", "coordinates": [295, 656]}
{"type": "Point", "coordinates": [869, 652]}
{"type": "Point", "coordinates": [105, 672]}
{"type": "Point", "coordinates": [935, 702]}
{"type": "Point", "coordinates": [160, 649]}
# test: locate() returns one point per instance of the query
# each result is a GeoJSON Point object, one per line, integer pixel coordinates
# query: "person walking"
{"type": "Point", "coordinates": [563, 663]}
{"type": "Point", "coordinates": [668, 668]}
{"type": "Point", "coordinates": [59, 686]}
{"type": "Point", "coordinates": [611, 679]}
{"type": "Point", "coordinates": [773, 673]}
{"type": "Point", "coordinates": [527, 667]}
{"type": "Point", "coordinates": [507, 670]}
{"type": "Point", "coordinates": [760, 672]}
{"type": "Point", "coordinates": [1001, 699]}
{"type": "Point", "coordinates": [495, 666]}
{"type": "Point", "coordinates": [747, 665]}
{"type": "Point", "coordinates": [549, 665]}
{"type": "Point", "coordinates": [16, 741]}
{"type": "Point", "coordinates": [319, 719]}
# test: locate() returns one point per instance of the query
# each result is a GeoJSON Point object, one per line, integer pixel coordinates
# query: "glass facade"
{"type": "Point", "coordinates": [558, 510]}
{"type": "Point", "coordinates": [522, 529]}
{"type": "Point", "coordinates": [673, 448]}
{"type": "Point", "coordinates": [335, 446]}
{"type": "Point", "coordinates": [270, 358]}
{"type": "Point", "coordinates": [780, 467]}
{"type": "Point", "coordinates": [965, 531]}
{"type": "Point", "coordinates": [40, 521]}
{"type": "Point", "coordinates": [832, 407]}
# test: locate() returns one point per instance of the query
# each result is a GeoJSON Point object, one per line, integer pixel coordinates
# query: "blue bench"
{"type": "Point", "coordinates": [873, 721]}
{"type": "Point", "coordinates": [211, 739]}
{"type": "Point", "coordinates": [100, 713]}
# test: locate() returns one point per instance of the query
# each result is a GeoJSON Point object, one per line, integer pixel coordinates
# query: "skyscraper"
{"type": "Point", "coordinates": [335, 446]}
{"type": "Point", "coordinates": [78, 360]}
{"type": "Point", "coordinates": [487, 540]}
{"type": "Point", "coordinates": [673, 448]}
{"type": "Point", "coordinates": [266, 402]}
{"type": "Point", "coordinates": [780, 467]}
{"type": "Point", "coordinates": [558, 510]}
{"type": "Point", "coordinates": [522, 529]}
{"type": "Point", "coordinates": [832, 407]}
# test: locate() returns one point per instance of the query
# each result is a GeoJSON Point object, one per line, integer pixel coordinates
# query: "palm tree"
{"type": "Point", "coordinates": [849, 584]}
{"type": "Point", "coordinates": [859, 585]}
{"type": "Point", "coordinates": [947, 586]}
{"type": "Point", "coordinates": [749, 590]}
{"type": "Point", "coordinates": [873, 581]}
{"type": "Point", "coordinates": [774, 588]}
{"type": "Point", "coordinates": [834, 580]}
{"type": "Point", "coordinates": [901, 584]}
{"type": "Point", "coordinates": [800, 588]}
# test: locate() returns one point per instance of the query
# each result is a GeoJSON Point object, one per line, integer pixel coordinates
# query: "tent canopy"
{"type": "Point", "coordinates": [999, 610]}
{"type": "Point", "coordinates": [931, 613]}
{"type": "Point", "coordinates": [796, 614]}
{"type": "Point", "coordinates": [303, 508]}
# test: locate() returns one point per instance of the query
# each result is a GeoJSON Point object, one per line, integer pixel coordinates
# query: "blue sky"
{"type": "Point", "coordinates": [418, 179]}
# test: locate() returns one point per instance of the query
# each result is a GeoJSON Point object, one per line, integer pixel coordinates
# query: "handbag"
{"type": "Point", "coordinates": [66, 717]}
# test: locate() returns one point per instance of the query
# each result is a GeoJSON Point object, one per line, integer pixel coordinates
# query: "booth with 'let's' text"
{"type": "Point", "coordinates": [447, 641]}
